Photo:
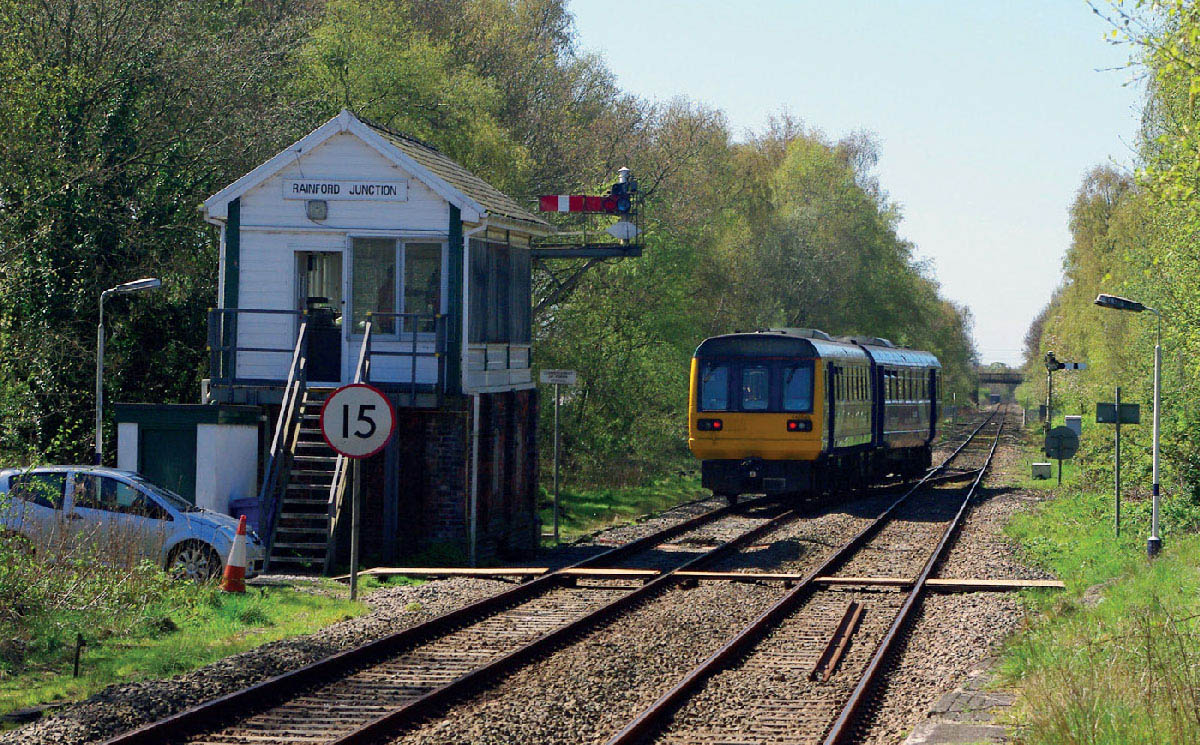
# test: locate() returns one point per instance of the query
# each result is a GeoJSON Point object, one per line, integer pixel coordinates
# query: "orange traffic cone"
{"type": "Point", "coordinates": [234, 578]}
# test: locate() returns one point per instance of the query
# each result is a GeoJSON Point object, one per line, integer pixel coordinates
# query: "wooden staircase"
{"type": "Point", "coordinates": [303, 534]}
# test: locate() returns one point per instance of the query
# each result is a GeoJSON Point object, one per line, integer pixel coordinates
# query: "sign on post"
{"type": "Point", "coordinates": [1107, 414]}
{"type": "Point", "coordinates": [557, 378]}
{"type": "Point", "coordinates": [1061, 444]}
{"type": "Point", "coordinates": [1117, 413]}
{"type": "Point", "coordinates": [357, 421]}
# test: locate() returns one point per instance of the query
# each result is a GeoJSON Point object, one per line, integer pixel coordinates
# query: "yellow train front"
{"type": "Point", "coordinates": [785, 411]}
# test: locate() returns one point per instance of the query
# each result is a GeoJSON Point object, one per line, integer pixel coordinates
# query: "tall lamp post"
{"type": "Point", "coordinates": [1154, 543]}
{"type": "Point", "coordinates": [137, 285]}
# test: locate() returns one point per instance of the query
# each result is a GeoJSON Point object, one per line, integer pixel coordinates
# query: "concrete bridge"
{"type": "Point", "coordinates": [1000, 381]}
{"type": "Point", "coordinates": [991, 376]}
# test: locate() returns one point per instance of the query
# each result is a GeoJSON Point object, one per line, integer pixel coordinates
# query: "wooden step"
{"type": "Point", "coordinates": [285, 559]}
{"type": "Point", "coordinates": [303, 546]}
{"type": "Point", "coordinates": [300, 531]}
{"type": "Point", "coordinates": [315, 459]}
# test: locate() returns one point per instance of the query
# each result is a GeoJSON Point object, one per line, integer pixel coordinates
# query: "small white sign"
{"type": "Point", "coordinates": [623, 230]}
{"type": "Point", "coordinates": [357, 420]}
{"type": "Point", "coordinates": [558, 377]}
{"type": "Point", "coordinates": [337, 190]}
{"type": "Point", "coordinates": [1074, 365]}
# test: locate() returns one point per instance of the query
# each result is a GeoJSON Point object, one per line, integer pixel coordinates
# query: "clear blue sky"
{"type": "Point", "coordinates": [987, 114]}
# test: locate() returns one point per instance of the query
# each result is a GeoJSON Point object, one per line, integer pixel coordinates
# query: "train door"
{"type": "Point", "coordinates": [934, 414]}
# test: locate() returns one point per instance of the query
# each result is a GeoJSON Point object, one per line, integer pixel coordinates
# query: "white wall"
{"type": "Point", "coordinates": [226, 464]}
{"type": "Point", "coordinates": [127, 446]}
{"type": "Point", "coordinates": [274, 229]}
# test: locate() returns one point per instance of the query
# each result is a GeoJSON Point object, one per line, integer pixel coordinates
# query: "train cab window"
{"type": "Point", "coordinates": [797, 386]}
{"type": "Point", "coordinates": [756, 388]}
{"type": "Point", "coordinates": [714, 387]}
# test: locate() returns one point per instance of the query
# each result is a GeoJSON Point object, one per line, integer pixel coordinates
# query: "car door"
{"type": "Point", "coordinates": [37, 507]}
{"type": "Point", "coordinates": [90, 523]}
{"type": "Point", "coordinates": [139, 519]}
{"type": "Point", "coordinates": [123, 523]}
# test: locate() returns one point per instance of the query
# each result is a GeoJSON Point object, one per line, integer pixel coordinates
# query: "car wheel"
{"type": "Point", "coordinates": [195, 561]}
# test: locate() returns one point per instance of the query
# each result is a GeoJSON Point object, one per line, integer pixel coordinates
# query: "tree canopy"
{"type": "Point", "coordinates": [122, 115]}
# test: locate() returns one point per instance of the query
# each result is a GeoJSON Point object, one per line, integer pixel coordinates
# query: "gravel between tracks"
{"type": "Point", "coordinates": [965, 628]}
{"type": "Point", "coordinates": [585, 691]}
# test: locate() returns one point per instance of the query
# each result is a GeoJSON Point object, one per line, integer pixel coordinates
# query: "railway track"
{"type": "Point", "coordinates": [371, 691]}
{"type": "Point", "coordinates": [805, 668]}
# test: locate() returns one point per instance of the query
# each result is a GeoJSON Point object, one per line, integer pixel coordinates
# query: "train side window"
{"type": "Point", "coordinates": [797, 385]}
{"type": "Point", "coordinates": [756, 388]}
{"type": "Point", "coordinates": [714, 387]}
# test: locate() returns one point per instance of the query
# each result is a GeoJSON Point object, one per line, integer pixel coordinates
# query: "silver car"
{"type": "Point", "coordinates": [122, 513]}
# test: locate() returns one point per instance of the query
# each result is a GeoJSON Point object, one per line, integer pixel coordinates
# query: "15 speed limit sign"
{"type": "Point", "coordinates": [357, 420]}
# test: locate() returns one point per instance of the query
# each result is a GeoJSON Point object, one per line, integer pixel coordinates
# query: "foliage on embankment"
{"type": "Point", "coordinates": [121, 115]}
{"type": "Point", "coordinates": [1115, 659]}
{"type": "Point", "coordinates": [1134, 235]}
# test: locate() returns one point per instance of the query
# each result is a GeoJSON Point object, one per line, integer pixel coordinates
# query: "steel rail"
{"type": "Point", "coordinates": [534, 649]}
{"type": "Point", "coordinates": [650, 719]}
{"type": "Point", "coordinates": [265, 692]}
{"type": "Point", "coordinates": [842, 725]}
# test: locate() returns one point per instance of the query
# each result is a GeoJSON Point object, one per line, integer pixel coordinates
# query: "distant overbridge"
{"type": "Point", "coordinates": [990, 376]}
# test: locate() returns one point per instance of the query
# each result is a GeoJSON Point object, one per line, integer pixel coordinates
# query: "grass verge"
{"type": "Point", "coordinates": [584, 511]}
{"type": "Point", "coordinates": [182, 626]}
{"type": "Point", "coordinates": [1114, 660]}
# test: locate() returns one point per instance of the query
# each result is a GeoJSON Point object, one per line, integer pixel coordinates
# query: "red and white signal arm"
{"type": "Point", "coordinates": [357, 420]}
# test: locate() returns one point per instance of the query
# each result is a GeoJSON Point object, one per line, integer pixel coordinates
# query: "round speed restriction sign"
{"type": "Point", "coordinates": [357, 420]}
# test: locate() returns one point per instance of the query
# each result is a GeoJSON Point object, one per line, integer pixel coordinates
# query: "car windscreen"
{"type": "Point", "coordinates": [166, 495]}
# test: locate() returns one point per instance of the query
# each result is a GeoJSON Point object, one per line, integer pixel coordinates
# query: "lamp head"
{"type": "Point", "coordinates": [138, 285]}
{"type": "Point", "coordinates": [1119, 303]}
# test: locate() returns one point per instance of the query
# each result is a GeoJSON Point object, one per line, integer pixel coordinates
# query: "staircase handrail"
{"type": "Point", "coordinates": [279, 463]}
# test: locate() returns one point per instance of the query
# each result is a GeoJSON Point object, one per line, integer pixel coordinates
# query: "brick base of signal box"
{"type": "Point", "coordinates": [416, 493]}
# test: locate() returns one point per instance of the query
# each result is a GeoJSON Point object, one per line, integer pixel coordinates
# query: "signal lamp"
{"type": "Point", "coordinates": [799, 425]}
{"type": "Point", "coordinates": [709, 425]}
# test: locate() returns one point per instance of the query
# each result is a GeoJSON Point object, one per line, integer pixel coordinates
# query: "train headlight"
{"type": "Point", "coordinates": [709, 425]}
{"type": "Point", "coordinates": [799, 425]}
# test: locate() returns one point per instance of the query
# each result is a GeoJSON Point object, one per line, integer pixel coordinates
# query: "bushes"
{"type": "Point", "coordinates": [46, 600]}
{"type": "Point", "coordinates": [1116, 658]}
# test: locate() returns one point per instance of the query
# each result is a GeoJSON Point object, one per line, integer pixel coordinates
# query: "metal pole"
{"type": "Point", "coordinates": [556, 464]}
{"type": "Point", "coordinates": [1049, 400]}
{"type": "Point", "coordinates": [1154, 544]}
{"type": "Point", "coordinates": [355, 512]}
{"type": "Point", "coordinates": [1117, 464]}
{"type": "Point", "coordinates": [99, 386]}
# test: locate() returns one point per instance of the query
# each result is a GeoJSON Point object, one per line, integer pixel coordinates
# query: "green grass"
{"type": "Point", "coordinates": [1116, 658]}
{"type": "Point", "coordinates": [584, 511]}
{"type": "Point", "coordinates": [190, 626]}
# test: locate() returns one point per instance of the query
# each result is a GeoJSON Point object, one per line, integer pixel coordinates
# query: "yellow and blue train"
{"type": "Point", "coordinates": [783, 411]}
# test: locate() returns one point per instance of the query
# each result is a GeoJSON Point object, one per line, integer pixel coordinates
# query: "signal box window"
{"type": "Point", "coordinates": [756, 389]}
{"type": "Point", "coordinates": [714, 387]}
{"type": "Point", "coordinates": [45, 489]}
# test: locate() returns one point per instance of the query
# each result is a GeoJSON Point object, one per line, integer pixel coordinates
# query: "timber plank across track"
{"type": "Point", "coordinates": [375, 690]}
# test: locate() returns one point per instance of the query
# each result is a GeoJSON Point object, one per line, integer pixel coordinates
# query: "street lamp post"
{"type": "Point", "coordinates": [137, 285]}
{"type": "Point", "coordinates": [1154, 543]}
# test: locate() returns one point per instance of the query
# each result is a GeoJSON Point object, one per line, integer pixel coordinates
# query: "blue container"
{"type": "Point", "coordinates": [249, 507]}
